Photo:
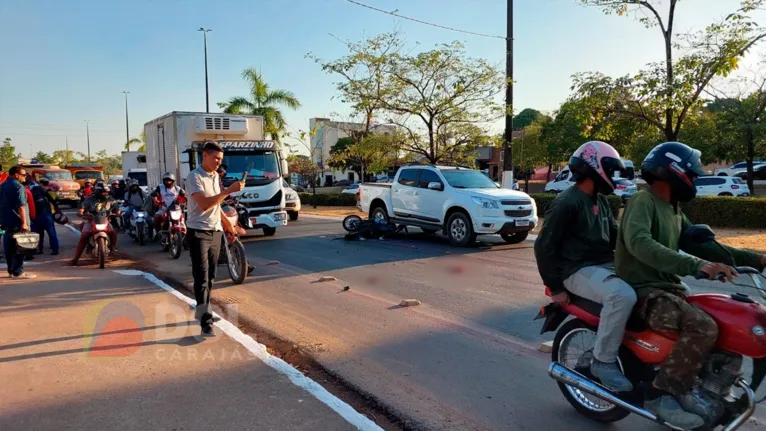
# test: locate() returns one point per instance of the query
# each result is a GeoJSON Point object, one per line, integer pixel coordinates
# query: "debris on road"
{"type": "Point", "coordinates": [347, 288]}
{"type": "Point", "coordinates": [409, 303]}
{"type": "Point", "coordinates": [546, 347]}
{"type": "Point", "coordinates": [327, 278]}
{"type": "Point", "coordinates": [273, 262]}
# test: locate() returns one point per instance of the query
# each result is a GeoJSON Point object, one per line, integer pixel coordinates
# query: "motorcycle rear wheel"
{"type": "Point", "coordinates": [140, 233]}
{"type": "Point", "coordinates": [237, 262]}
{"type": "Point", "coordinates": [101, 251]}
{"type": "Point", "coordinates": [587, 405]}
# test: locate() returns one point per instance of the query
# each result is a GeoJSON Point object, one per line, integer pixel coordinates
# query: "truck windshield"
{"type": "Point", "coordinates": [262, 167]}
{"type": "Point", "coordinates": [93, 175]}
{"type": "Point", "coordinates": [58, 175]}
{"type": "Point", "coordinates": [464, 179]}
{"type": "Point", "coordinates": [140, 177]}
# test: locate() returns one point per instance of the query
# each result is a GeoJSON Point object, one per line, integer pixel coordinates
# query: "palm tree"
{"type": "Point", "coordinates": [141, 141]}
{"type": "Point", "coordinates": [264, 101]}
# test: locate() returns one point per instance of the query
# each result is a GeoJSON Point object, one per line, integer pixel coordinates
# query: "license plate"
{"type": "Point", "coordinates": [522, 222]}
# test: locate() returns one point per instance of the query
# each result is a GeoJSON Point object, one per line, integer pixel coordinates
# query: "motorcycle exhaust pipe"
{"type": "Point", "coordinates": [572, 378]}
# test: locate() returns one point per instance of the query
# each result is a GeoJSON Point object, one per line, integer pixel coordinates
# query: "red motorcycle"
{"type": "Point", "coordinates": [173, 227]}
{"type": "Point", "coordinates": [98, 243]}
{"type": "Point", "coordinates": [741, 324]}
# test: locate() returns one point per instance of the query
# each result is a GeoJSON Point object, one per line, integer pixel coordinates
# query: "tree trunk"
{"type": "Point", "coordinates": [750, 145]}
{"type": "Point", "coordinates": [548, 175]}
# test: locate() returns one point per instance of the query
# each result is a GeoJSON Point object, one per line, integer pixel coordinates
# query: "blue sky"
{"type": "Point", "coordinates": [65, 61]}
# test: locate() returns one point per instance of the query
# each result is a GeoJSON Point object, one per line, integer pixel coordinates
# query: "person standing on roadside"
{"type": "Point", "coordinates": [205, 227]}
{"type": "Point", "coordinates": [45, 205]}
{"type": "Point", "coordinates": [14, 217]}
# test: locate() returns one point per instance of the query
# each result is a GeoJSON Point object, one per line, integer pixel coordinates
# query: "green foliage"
{"type": "Point", "coordinates": [721, 211]}
{"type": "Point", "coordinates": [112, 164]}
{"type": "Point", "coordinates": [328, 200]}
{"type": "Point", "coordinates": [526, 117]}
{"type": "Point", "coordinates": [303, 166]}
{"type": "Point", "coordinates": [264, 101]}
{"type": "Point", "coordinates": [363, 154]}
{"type": "Point", "coordinates": [43, 157]}
{"type": "Point", "coordinates": [543, 199]}
{"type": "Point", "coordinates": [8, 155]}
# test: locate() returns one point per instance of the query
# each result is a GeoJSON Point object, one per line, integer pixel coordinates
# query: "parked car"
{"type": "Point", "coordinates": [738, 168]}
{"type": "Point", "coordinates": [625, 189]}
{"type": "Point", "coordinates": [721, 186]}
{"type": "Point", "coordinates": [292, 201]}
{"type": "Point", "coordinates": [298, 188]}
{"type": "Point", "coordinates": [562, 182]}
{"type": "Point", "coordinates": [759, 173]}
{"type": "Point", "coordinates": [341, 183]}
{"type": "Point", "coordinates": [462, 203]}
{"type": "Point", "coordinates": [352, 189]}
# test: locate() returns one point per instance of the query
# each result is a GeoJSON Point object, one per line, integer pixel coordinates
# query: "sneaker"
{"type": "Point", "coordinates": [610, 376]}
{"type": "Point", "coordinates": [23, 275]}
{"type": "Point", "coordinates": [668, 409]}
{"type": "Point", "coordinates": [207, 331]}
{"type": "Point", "coordinates": [699, 403]}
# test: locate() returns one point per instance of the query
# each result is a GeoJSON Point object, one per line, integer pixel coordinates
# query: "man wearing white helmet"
{"type": "Point", "coordinates": [164, 195]}
{"type": "Point", "coordinates": [575, 254]}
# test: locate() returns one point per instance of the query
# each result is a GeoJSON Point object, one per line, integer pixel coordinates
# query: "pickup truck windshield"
{"type": "Point", "coordinates": [465, 179]}
{"type": "Point", "coordinates": [93, 175]}
{"type": "Point", "coordinates": [262, 168]}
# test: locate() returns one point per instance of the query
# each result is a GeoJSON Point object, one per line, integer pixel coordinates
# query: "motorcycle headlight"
{"type": "Point", "coordinates": [175, 215]}
{"type": "Point", "coordinates": [486, 203]}
{"type": "Point", "coordinates": [100, 226]}
{"type": "Point", "coordinates": [140, 214]}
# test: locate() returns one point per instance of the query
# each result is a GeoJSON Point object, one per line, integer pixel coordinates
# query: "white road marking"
{"type": "Point", "coordinates": [347, 412]}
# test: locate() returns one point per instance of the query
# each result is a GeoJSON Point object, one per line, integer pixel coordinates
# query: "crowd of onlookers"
{"type": "Point", "coordinates": [26, 206]}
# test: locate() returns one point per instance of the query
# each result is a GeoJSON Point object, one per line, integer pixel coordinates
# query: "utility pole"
{"type": "Point", "coordinates": [67, 151]}
{"type": "Point", "coordinates": [507, 149]}
{"type": "Point", "coordinates": [207, 91]}
{"type": "Point", "coordinates": [87, 133]}
{"type": "Point", "coordinates": [127, 125]}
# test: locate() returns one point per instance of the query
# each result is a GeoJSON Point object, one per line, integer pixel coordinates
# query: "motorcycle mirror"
{"type": "Point", "coordinates": [698, 234]}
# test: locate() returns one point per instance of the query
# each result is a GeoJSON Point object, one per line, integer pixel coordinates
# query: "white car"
{"type": "Point", "coordinates": [721, 186]}
{"type": "Point", "coordinates": [460, 202]}
{"type": "Point", "coordinates": [292, 201]}
{"type": "Point", "coordinates": [351, 190]}
{"type": "Point", "coordinates": [738, 168]}
{"type": "Point", "coordinates": [624, 188]}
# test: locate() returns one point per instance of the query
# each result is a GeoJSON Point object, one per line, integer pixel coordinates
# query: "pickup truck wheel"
{"type": "Point", "coordinates": [460, 230]}
{"type": "Point", "coordinates": [293, 216]}
{"type": "Point", "coordinates": [378, 214]}
{"type": "Point", "coordinates": [514, 238]}
{"type": "Point", "coordinates": [269, 231]}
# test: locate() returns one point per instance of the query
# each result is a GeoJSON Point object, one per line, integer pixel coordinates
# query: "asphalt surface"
{"type": "Point", "coordinates": [464, 359]}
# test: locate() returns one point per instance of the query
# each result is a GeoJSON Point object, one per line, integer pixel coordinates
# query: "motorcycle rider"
{"type": "Point", "coordinates": [99, 202]}
{"type": "Point", "coordinates": [167, 193]}
{"type": "Point", "coordinates": [575, 253]}
{"type": "Point", "coordinates": [116, 191]}
{"type": "Point", "coordinates": [134, 199]}
{"type": "Point", "coordinates": [648, 258]}
{"type": "Point", "coordinates": [87, 189]}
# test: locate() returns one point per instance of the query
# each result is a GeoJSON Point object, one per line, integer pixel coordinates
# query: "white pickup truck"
{"type": "Point", "coordinates": [463, 203]}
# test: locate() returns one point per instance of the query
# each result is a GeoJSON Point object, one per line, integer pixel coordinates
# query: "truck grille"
{"type": "Point", "coordinates": [273, 202]}
{"type": "Point", "coordinates": [518, 213]}
{"type": "Point", "coordinates": [516, 202]}
{"type": "Point", "coordinates": [217, 123]}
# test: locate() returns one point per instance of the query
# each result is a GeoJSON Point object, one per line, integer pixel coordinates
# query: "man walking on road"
{"type": "Point", "coordinates": [44, 205]}
{"type": "Point", "coordinates": [205, 226]}
{"type": "Point", "coordinates": [14, 217]}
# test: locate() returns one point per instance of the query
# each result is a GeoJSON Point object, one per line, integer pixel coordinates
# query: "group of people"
{"type": "Point", "coordinates": [634, 268]}
{"type": "Point", "coordinates": [26, 206]}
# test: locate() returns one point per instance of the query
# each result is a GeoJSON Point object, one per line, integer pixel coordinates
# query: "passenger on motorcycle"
{"type": "Point", "coordinates": [165, 194]}
{"type": "Point", "coordinates": [87, 189]}
{"type": "Point", "coordinates": [648, 258]}
{"type": "Point", "coordinates": [99, 202]}
{"type": "Point", "coordinates": [134, 198]}
{"type": "Point", "coordinates": [116, 191]}
{"type": "Point", "coordinates": [575, 253]}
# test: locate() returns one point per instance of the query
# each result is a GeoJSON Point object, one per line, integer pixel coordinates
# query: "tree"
{"type": "Point", "coordinates": [112, 164]}
{"type": "Point", "coordinates": [140, 141]}
{"type": "Point", "coordinates": [64, 157]}
{"type": "Point", "coordinates": [305, 167]}
{"type": "Point", "coordinates": [664, 93]}
{"type": "Point", "coordinates": [436, 94]}
{"type": "Point", "coordinates": [364, 155]}
{"type": "Point", "coordinates": [8, 155]}
{"type": "Point", "coordinates": [526, 117]}
{"type": "Point", "coordinates": [43, 157]}
{"type": "Point", "coordinates": [264, 101]}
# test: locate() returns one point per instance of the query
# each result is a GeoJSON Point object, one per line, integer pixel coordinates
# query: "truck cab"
{"type": "Point", "coordinates": [61, 182]}
{"type": "Point", "coordinates": [460, 202]}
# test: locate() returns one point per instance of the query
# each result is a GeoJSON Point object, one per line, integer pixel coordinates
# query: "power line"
{"type": "Point", "coordinates": [393, 13]}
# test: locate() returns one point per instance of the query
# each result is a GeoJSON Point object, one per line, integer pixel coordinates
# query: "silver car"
{"type": "Point", "coordinates": [624, 188]}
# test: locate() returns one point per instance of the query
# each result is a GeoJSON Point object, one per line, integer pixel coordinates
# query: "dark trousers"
{"type": "Point", "coordinates": [15, 262]}
{"type": "Point", "coordinates": [42, 224]}
{"type": "Point", "coordinates": [204, 248]}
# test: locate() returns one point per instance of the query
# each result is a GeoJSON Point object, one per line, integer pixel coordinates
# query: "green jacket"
{"type": "Point", "coordinates": [578, 231]}
{"type": "Point", "coordinates": [647, 254]}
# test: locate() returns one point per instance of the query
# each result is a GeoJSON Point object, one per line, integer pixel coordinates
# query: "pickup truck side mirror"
{"type": "Point", "coordinates": [435, 186]}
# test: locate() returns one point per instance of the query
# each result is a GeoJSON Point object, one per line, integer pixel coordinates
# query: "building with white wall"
{"type": "Point", "coordinates": [325, 134]}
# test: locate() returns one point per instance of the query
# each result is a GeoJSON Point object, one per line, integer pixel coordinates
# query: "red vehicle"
{"type": "Point", "coordinates": [173, 226]}
{"type": "Point", "coordinates": [98, 243]}
{"type": "Point", "coordinates": [741, 323]}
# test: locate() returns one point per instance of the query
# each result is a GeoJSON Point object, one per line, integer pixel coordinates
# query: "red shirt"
{"type": "Point", "coordinates": [3, 176]}
{"type": "Point", "coordinates": [30, 204]}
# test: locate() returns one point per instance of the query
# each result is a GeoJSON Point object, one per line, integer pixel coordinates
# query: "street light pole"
{"type": "Point", "coordinates": [207, 91]}
{"type": "Point", "coordinates": [127, 125]}
{"type": "Point", "coordinates": [507, 149]}
{"type": "Point", "coordinates": [87, 134]}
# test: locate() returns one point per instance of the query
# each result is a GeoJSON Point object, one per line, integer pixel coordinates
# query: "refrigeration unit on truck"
{"type": "Point", "coordinates": [174, 144]}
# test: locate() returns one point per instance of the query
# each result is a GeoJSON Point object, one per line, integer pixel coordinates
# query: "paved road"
{"type": "Point", "coordinates": [465, 359]}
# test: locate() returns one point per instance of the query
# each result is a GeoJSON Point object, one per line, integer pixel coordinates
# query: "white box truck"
{"type": "Point", "coordinates": [174, 143]}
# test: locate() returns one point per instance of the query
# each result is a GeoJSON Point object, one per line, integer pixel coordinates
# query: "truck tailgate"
{"type": "Point", "coordinates": [371, 191]}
